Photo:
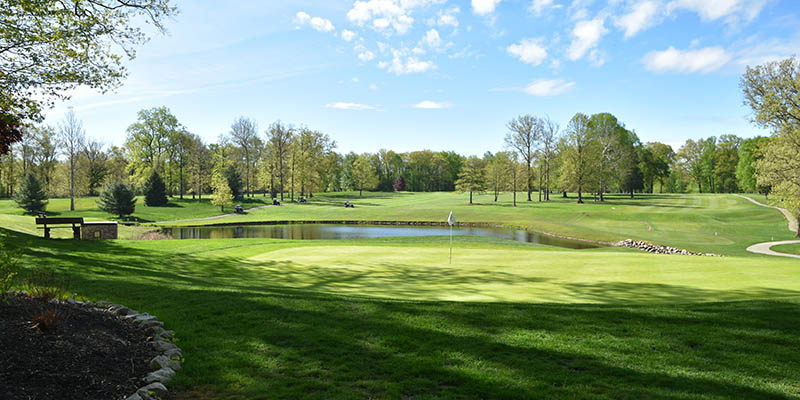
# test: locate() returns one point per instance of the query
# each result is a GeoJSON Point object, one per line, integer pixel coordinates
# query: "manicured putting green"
{"type": "Point", "coordinates": [523, 275]}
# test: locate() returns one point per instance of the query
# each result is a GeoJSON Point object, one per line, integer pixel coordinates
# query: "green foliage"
{"type": "Point", "coordinates": [472, 177]}
{"type": "Point", "coordinates": [10, 130]}
{"type": "Point", "coordinates": [234, 180]}
{"type": "Point", "coordinates": [118, 199]}
{"type": "Point", "coordinates": [31, 195]}
{"type": "Point", "coordinates": [750, 151]}
{"type": "Point", "coordinates": [155, 192]}
{"type": "Point", "coordinates": [222, 192]}
{"type": "Point", "coordinates": [363, 174]}
{"type": "Point", "coordinates": [771, 90]}
{"type": "Point", "coordinates": [580, 155]}
{"type": "Point", "coordinates": [52, 47]}
{"type": "Point", "coordinates": [46, 284]}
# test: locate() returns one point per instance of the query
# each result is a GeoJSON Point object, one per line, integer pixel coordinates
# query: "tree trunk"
{"type": "Point", "coordinates": [361, 192]}
{"type": "Point", "coordinates": [564, 195]}
{"type": "Point", "coordinates": [528, 180]}
{"type": "Point", "coordinates": [602, 199]}
{"type": "Point", "coordinates": [495, 195]}
{"type": "Point", "coordinates": [631, 193]}
{"type": "Point", "coordinates": [699, 187]}
{"type": "Point", "coordinates": [72, 182]}
{"type": "Point", "coordinates": [181, 178]}
{"type": "Point", "coordinates": [470, 197]}
{"type": "Point", "coordinates": [580, 195]}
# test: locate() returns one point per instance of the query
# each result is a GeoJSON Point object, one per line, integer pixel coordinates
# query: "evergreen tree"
{"type": "Point", "coordinates": [30, 195]}
{"type": "Point", "coordinates": [399, 184]}
{"type": "Point", "coordinates": [155, 191]}
{"type": "Point", "coordinates": [118, 199]}
{"type": "Point", "coordinates": [234, 181]}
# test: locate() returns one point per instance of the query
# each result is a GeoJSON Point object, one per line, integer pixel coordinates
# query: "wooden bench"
{"type": "Point", "coordinates": [75, 222]}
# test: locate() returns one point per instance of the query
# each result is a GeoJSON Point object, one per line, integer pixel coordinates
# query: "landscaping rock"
{"type": "Point", "coordinates": [163, 375]}
{"type": "Point", "coordinates": [156, 387]}
{"type": "Point", "coordinates": [658, 249]}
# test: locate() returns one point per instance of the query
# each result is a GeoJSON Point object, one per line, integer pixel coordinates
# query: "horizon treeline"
{"type": "Point", "coordinates": [594, 154]}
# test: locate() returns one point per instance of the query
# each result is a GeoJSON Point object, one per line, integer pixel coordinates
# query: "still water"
{"type": "Point", "coordinates": [338, 231]}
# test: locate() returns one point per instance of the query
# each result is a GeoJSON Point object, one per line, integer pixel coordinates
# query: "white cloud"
{"type": "Point", "coordinates": [548, 87]}
{"type": "Point", "coordinates": [704, 60]}
{"type": "Point", "coordinates": [373, 87]}
{"type": "Point", "coordinates": [432, 105]}
{"type": "Point", "coordinates": [322, 24]}
{"type": "Point", "coordinates": [710, 10]}
{"type": "Point", "coordinates": [340, 105]}
{"type": "Point", "coordinates": [585, 36]}
{"type": "Point", "coordinates": [446, 18]}
{"type": "Point", "coordinates": [484, 7]}
{"type": "Point", "coordinates": [642, 15]}
{"type": "Point", "coordinates": [403, 63]}
{"type": "Point", "coordinates": [387, 16]}
{"type": "Point", "coordinates": [364, 54]}
{"type": "Point", "coordinates": [301, 18]}
{"type": "Point", "coordinates": [355, 79]}
{"type": "Point", "coordinates": [432, 39]}
{"type": "Point", "coordinates": [529, 51]}
{"type": "Point", "coordinates": [348, 35]}
{"type": "Point", "coordinates": [538, 6]}
{"type": "Point", "coordinates": [319, 24]}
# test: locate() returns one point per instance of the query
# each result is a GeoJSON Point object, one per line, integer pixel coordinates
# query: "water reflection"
{"type": "Point", "coordinates": [331, 232]}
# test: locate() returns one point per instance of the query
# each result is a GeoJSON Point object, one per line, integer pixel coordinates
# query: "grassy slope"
{"type": "Point", "coordinates": [787, 248]}
{"type": "Point", "coordinates": [278, 325]}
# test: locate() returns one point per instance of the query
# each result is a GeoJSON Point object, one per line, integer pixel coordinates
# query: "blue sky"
{"type": "Point", "coordinates": [447, 75]}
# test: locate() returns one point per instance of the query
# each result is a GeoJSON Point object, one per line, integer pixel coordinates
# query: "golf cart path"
{"type": "Point", "coordinates": [792, 221]}
{"type": "Point", "coordinates": [765, 248]}
{"type": "Point", "coordinates": [211, 218]}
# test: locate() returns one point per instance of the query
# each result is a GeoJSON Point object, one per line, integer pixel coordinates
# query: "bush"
{"type": "Point", "coordinates": [31, 195]}
{"type": "Point", "coordinates": [155, 191]}
{"type": "Point", "coordinates": [118, 199]}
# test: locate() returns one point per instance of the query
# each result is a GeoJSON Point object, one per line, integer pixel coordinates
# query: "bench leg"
{"type": "Point", "coordinates": [46, 232]}
{"type": "Point", "coordinates": [76, 232]}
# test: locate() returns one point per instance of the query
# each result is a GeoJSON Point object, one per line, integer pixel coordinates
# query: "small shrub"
{"type": "Point", "coordinates": [118, 199]}
{"type": "Point", "coordinates": [155, 191]}
{"type": "Point", "coordinates": [31, 195]}
{"type": "Point", "coordinates": [47, 320]}
{"type": "Point", "coordinates": [45, 285]}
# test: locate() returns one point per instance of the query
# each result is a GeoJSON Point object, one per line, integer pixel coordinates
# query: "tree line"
{"type": "Point", "coordinates": [592, 155]}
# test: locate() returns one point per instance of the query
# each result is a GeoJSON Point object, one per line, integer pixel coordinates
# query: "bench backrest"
{"type": "Point", "coordinates": [56, 221]}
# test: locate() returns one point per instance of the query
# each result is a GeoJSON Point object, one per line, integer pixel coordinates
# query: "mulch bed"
{"type": "Point", "coordinates": [90, 354]}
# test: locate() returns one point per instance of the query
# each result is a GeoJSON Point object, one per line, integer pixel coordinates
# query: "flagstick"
{"type": "Point", "coordinates": [451, 244]}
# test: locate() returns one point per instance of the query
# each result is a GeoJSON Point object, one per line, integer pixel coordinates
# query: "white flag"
{"type": "Point", "coordinates": [451, 220]}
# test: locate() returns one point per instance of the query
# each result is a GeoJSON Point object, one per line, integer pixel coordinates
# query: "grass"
{"type": "Point", "coordinates": [787, 248]}
{"type": "Point", "coordinates": [288, 319]}
{"type": "Point", "coordinates": [722, 224]}
{"type": "Point", "coordinates": [391, 318]}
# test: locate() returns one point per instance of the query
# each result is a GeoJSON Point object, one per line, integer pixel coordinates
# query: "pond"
{"type": "Point", "coordinates": [340, 231]}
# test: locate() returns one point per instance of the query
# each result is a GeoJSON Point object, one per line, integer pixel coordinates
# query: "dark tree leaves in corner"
{"type": "Point", "coordinates": [31, 195]}
{"type": "Point", "coordinates": [118, 199]}
{"type": "Point", "coordinates": [10, 130]}
{"type": "Point", "coordinates": [155, 191]}
{"type": "Point", "coordinates": [400, 184]}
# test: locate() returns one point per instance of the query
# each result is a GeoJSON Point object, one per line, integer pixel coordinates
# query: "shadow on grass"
{"type": "Point", "coordinates": [254, 331]}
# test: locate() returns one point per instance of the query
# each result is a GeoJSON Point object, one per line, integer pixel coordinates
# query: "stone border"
{"type": "Point", "coordinates": [659, 249]}
{"type": "Point", "coordinates": [165, 365]}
